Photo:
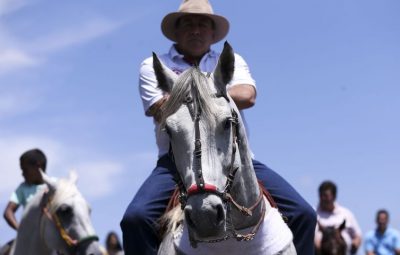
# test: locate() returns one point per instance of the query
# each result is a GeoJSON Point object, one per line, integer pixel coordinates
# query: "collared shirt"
{"type": "Point", "coordinates": [382, 244]}
{"type": "Point", "coordinates": [150, 93]}
{"type": "Point", "coordinates": [336, 218]}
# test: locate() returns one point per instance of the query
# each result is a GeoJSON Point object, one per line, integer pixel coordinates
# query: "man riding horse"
{"type": "Point", "coordinates": [193, 29]}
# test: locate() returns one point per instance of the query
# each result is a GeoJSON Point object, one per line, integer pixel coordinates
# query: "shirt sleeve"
{"type": "Point", "coordinates": [353, 225]}
{"type": "Point", "coordinates": [368, 243]}
{"type": "Point", "coordinates": [17, 196]}
{"type": "Point", "coordinates": [397, 240]}
{"type": "Point", "coordinates": [242, 73]}
{"type": "Point", "coordinates": [148, 87]}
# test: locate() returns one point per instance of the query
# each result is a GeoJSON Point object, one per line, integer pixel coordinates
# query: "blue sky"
{"type": "Point", "coordinates": [328, 77]}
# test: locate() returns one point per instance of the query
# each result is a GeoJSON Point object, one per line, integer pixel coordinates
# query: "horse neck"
{"type": "Point", "coordinates": [246, 188]}
{"type": "Point", "coordinates": [246, 171]}
{"type": "Point", "coordinates": [29, 239]}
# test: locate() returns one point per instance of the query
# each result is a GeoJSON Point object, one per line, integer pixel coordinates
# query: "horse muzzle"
{"type": "Point", "coordinates": [91, 247]}
{"type": "Point", "coordinates": [205, 215]}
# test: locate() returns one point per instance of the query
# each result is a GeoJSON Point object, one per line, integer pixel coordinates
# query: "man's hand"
{"type": "Point", "coordinates": [155, 109]}
{"type": "Point", "coordinates": [355, 243]}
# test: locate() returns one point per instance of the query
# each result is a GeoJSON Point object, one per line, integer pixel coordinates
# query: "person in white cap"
{"type": "Point", "coordinates": [193, 29]}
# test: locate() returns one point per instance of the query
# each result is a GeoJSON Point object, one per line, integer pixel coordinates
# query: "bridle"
{"type": "Point", "coordinates": [72, 243]}
{"type": "Point", "coordinates": [202, 187]}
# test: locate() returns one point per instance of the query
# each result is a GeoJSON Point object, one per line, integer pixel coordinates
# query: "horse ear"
{"type": "Point", "coordinates": [223, 72]}
{"type": "Point", "coordinates": [320, 227]}
{"type": "Point", "coordinates": [73, 176]}
{"type": "Point", "coordinates": [343, 225]}
{"type": "Point", "coordinates": [51, 183]}
{"type": "Point", "coordinates": [165, 76]}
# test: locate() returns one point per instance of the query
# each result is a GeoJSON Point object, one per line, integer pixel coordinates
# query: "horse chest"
{"type": "Point", "coordinates": [265, 241]}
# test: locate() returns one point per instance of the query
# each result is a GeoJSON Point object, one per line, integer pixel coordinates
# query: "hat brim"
{"type": "Point", "coordinates": [168, 25]}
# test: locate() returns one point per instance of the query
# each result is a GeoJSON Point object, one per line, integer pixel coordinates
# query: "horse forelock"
{"type": "Point", "coordinates": [65, 190]}
{"type": "Point", "coordinates": [195, 84]}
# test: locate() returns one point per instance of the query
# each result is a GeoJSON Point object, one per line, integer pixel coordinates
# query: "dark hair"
{"type": "Point", "coordinates": [118, 246]}
{"type": "Point", "coordinates": [328, 185]}
{"type": "Point", "coordinates": [34, 157]}
{"type": "Point", "coordinates": [382, 211]}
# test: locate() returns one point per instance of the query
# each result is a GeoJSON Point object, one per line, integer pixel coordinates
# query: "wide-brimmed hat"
{"type": "Point", "coordinates": [200, 7]}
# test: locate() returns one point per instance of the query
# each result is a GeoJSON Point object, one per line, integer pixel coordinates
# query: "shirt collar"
{"type": "Point", "coordinates": [335, 208]}
{"type": "Point", "coordinates": [173, 53]}
{"type": "Point", "coordinates": [382, 234]}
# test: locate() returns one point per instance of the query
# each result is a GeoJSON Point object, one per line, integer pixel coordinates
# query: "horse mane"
{"type": "Point", "coordinates": [191, 83]}
{"type": "Point", "coordinates": [65, 189]}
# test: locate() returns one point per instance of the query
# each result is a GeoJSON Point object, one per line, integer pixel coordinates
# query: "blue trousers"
{"type": "Point", "coordinates": [139, 221]}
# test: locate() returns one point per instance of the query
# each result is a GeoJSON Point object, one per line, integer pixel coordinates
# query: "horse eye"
{"type": "Point", "coordinates": [167, 130]}
{"type": "Point", "coordinates": [228, 123]}
{"type": "Point", "coordinates": [65, 211]}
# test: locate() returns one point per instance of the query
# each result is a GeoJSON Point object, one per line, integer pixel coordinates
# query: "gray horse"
{"type": "Point", "coordinates": [57, 221]}
{"type": "Point", "coordinates": [223, 209]}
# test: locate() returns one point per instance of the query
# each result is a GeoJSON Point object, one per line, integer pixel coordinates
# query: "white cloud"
{"type": "Point", "coordinates": [8, 6]}
{"type": "Point", "coordinates": [17, 102]}
{"type": "Point", "coordinates": [11, 59]}
{"type": "Point", "coordinates": [77, 34]}
{"type": "Point", "coordinates": [98, 179]}
{"type": "Point", "coordinates": [16, 53]}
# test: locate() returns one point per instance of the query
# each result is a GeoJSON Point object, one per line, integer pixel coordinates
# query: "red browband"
{"type": "Point", "coordinates": [193, 189]}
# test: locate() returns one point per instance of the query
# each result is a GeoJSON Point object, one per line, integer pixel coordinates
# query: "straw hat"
{"type": "Point", "coordinates": [201, 7]}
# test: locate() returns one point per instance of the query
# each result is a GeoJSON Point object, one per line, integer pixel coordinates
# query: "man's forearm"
{"type": "Point", "coordinates": [244, 95]}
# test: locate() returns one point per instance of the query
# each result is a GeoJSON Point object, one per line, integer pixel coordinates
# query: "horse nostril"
{"type": "Point", "coordinates": [220, 215]}
{"type": "Point", "coordinates": [188, 219]}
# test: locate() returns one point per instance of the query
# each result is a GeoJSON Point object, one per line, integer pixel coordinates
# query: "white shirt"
{"type": "Point", "coordinates": [150, 93]}
{"type": "Point", "coordinates": [336, 218]}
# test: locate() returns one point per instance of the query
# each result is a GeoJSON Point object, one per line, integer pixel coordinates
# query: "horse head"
{"type": "Point", "coordinates": [332, 242]}
{"type": "Point", "coordinates": [209, 145]}
{"type": "Point", "coordinates": [65, 223]}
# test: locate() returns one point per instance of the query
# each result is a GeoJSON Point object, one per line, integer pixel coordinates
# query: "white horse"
{"type": "Point", "coordinates": [221, 200]}
{"type": "Point", "coordinates": [57, 220]}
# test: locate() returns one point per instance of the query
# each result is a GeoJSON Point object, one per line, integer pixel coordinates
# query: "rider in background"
{"type": "Point", "coordinates": [113, 245]}
{"type": "Point", "coordinates": [193, 29]}
{"type": "Point", "coordinates": [384, 240]}
{"type": "Point", "coordinates": [330, 213]}
{"type": "Point", "coordinates": [30, 162]}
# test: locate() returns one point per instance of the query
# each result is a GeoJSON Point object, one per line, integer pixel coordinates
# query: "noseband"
{"type": "Point", "coordinates": [201, 187]}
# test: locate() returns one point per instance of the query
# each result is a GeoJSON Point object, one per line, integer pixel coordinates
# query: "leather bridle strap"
{"type": "Point", "coordinates": [232, 171]}
{"type": "Point", "coordinates": [248, 211]}
{"type": "Point", "coordinates": [71, 242]}
{"type": "Point", "coordinates": [197, 151]}
{"type": "Point", "coordinates": [249, 236]}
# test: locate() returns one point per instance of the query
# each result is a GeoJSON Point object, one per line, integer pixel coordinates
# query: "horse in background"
{"type": "Point", "coordinates": [223, 209]}
{"type": "Point", "coordinates": [57, 220]}
{"type": "Point", "coordinates": [332, 242]}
